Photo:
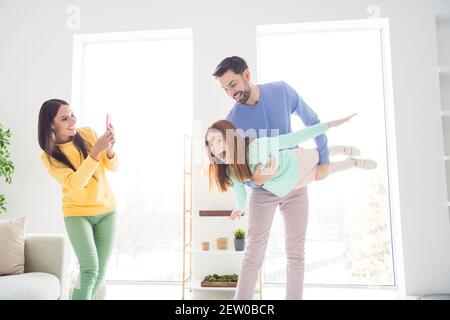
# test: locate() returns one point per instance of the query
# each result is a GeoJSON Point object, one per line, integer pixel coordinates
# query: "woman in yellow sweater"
{"type": "Point", "coordinates": [78, 160]}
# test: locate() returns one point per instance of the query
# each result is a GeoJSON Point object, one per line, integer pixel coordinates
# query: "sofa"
{"type": "Point", "coordinates": [45, 275]}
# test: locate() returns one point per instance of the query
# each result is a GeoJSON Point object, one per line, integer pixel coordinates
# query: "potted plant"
{"type": "Point", "coordinates": [239, 239]}
{"type": "Point", "coordinates": [215, 280]}
{"type": "Point", "coordinates": [6, 165]}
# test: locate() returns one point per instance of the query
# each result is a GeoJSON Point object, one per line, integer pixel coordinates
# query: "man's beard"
{"type": "Point", "coordinates": [243, 95]}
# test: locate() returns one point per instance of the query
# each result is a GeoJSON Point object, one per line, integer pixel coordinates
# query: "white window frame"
{"type": "Point", "coordinates": [381, 25]}
{"type": "Point", "coordinates": [80, 41]}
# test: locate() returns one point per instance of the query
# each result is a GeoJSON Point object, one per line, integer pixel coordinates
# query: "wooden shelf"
{"type": "Point", "coordinates": [215, 217]}
{"type": "Point", "coordinates": [215, 213]}
{"type": "Point", "coordinates": [447, 158]}
{"type": "Point", "coordinates": [445, 113]}
{"type": "Point", "coordinates": [216, 252]}
{"type": "Point", "coordinates": [195, 285]}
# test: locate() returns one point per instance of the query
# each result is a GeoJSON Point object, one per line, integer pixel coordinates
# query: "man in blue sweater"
{"type": "Point", "coordinates": [266, 109]}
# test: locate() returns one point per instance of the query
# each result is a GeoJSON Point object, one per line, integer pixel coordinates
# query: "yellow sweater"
{"type": "Point", "coordinates": [82, 194]}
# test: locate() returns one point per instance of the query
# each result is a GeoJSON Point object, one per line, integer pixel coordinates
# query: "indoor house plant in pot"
{"type": "Point", "coordinates": [239, 239]}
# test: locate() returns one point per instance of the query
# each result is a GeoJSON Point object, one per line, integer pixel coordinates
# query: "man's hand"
{"type": "Point", "coordinates": [323, 170]}
{"type": "Point", "coordinates": [261, 176]}
{"type": "Point", "coordinates": [110, 151]}
{"type": "Point", "coordinates": [236, 214]}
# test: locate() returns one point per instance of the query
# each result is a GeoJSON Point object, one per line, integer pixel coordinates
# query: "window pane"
{"type": "Point", "coordinates": [337, 72]}
{"type": "Point", "coordinates": [146, 86]}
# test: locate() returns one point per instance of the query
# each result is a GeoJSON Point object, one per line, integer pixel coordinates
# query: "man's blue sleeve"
{"type": "Point", "coordinates": [309, 118]}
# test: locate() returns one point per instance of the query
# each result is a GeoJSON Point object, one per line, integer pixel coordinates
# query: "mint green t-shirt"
{"type": "Point", "coordinates": [259, 151]}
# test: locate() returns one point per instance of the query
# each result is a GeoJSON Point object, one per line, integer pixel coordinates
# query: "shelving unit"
{"type": "Point", "coordinates": [195, 285]}
{"type": "Point", "coordinates": [443, 34]}
{"type": "Point", "coordinates": [219, 252]}
{"type": "Point", "coordinates": [216, 218]}
{"type": "Point", "coordinates": [191, 250]}
{"type": "Point", "coordinates": [187, 211]}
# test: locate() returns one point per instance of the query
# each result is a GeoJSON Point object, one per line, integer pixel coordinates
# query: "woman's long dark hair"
{"type": "Point", "coordinates": [46, 135]}
{"type": "Point", "coordinates": [237, 144]}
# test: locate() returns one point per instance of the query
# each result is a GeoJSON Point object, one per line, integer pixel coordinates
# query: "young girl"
{"type": "Point", "coordinates": [233, 160]}
{"type": "Point", "coordinates": [77, 159]}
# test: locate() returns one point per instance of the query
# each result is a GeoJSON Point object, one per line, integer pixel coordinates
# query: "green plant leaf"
{"type": "Point", "coordinates": [239, 233]}
{"type": "Point", "coordinates": [6, 164]}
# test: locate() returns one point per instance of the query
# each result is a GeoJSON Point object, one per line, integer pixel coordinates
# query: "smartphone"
{"type": "Point", "coordinates": [108, 121]}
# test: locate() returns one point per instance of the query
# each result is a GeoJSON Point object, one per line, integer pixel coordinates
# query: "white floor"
{"type": "Point", "coordinates": [145, 291]}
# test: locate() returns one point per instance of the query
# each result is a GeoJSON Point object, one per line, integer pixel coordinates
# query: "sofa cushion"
{"type": "Point", "coordinates": [29, 286]}
{"type": "Point", "coordinates": [12, 246]}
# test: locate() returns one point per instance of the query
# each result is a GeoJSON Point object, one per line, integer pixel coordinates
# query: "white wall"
{"type": "Point", "coordinates": [35, 65]}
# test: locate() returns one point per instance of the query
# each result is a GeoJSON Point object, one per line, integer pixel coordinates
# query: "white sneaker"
{"type": "Point", "coordinates": [366, 164]}
{"type": "Point", "coordinates": [346, 150]}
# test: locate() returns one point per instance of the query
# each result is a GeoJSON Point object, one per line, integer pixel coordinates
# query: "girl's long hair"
{"type": "Point", "coordinates": [47, 138]}
{"type": "Point", "coordinates": [219, 172]}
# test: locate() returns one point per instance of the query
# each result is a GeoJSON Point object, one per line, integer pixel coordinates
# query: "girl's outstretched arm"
{"type": "Point", "coordinates": [338, 122]}
{"type": "Point", "coordinates": [293, 139]}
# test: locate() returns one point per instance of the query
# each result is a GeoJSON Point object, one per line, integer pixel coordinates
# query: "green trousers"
{"type": "Point", "coordinates": [92, 239]}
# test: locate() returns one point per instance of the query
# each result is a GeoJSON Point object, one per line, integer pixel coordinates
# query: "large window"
{"type": "Point", "coordinates": [338, 70]}
{"type": "Point", "coordinates": [144, 80]}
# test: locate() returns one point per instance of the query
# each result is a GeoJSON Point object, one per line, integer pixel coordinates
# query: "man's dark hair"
{"type": "Point", "coordinates": [237, 64]}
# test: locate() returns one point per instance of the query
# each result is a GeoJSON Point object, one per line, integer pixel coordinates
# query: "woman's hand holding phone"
{"type": "Point", "coordinates": [110, 129]}
{"type": "Point", "coordinates": [105, 142]}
